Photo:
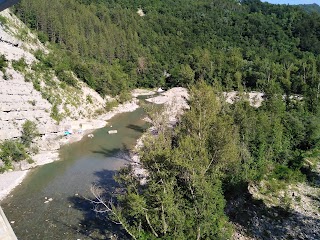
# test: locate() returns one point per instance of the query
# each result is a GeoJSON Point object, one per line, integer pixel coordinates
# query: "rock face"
{"type": "Point", "coordinates": [19, 102]}
{"type": "Point", "coordinates": [34, 94]}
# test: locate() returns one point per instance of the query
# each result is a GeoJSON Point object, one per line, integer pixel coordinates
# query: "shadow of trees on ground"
{"type": "Point", "coordinates": [262, 222]}
{"type": "Point", "coordinates": [97, 225]}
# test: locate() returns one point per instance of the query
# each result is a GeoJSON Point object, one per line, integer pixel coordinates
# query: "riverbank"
{"type": "Point", "coordinates": [10, 179]}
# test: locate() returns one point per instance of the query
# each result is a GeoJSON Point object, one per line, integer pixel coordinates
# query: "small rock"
{"type": "Point", "coordinates": [50, 199]}
{"type": "Point", "coordinates": [12, 222]}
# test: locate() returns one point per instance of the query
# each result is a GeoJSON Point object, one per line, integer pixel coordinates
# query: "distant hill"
{"type": "Point", "coordinates": [311, 7]}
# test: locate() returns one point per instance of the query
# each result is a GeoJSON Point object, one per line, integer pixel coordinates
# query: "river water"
{"type": "Point", "coordinates": [69, 215]}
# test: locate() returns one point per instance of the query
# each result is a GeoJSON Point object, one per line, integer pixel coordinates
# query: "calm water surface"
{"type": "Point", "coordinates": [69, 215]}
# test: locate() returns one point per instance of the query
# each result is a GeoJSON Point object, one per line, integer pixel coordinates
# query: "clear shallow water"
{"type": "Point", "coordinates": [67, 182]}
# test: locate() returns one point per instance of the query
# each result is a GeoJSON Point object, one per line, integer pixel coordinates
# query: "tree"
{"type": "Point", "coordinates": [29, 133]}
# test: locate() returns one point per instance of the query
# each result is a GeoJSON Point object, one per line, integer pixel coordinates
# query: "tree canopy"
{"type": "Point", "coordinates": [248, 43]}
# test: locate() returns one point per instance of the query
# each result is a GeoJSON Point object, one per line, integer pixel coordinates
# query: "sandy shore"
{"type": "Point", "coordinates": [9, 180]}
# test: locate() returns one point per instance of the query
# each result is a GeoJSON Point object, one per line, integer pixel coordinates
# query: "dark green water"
{"type": "Point", "coordinates": [70, 215]}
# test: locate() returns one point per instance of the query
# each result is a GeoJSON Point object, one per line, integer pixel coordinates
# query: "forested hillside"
{"type": "Point", "coordinates": [249, 44]}
{"type": "Point", "coordinates": [311, 7]}
{"type": "Point", "coordinates": [216, 150]}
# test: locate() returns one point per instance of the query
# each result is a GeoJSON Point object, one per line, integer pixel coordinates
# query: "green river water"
{"type": "Point", "coordinates": [69, 215]}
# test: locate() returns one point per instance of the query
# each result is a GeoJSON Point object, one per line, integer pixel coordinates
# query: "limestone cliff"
{"type": "Point", "coordinates": [28, 93]}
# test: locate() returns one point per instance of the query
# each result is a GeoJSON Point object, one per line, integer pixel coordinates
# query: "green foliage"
{"type": "Point", "coordinates": [183, 196]}
{"type": "Point", "coordinates": [3, 20]}
{"type": "Point", "coordinates": [55, 113]}
{"type": "Point", "coordinates": [89, 99]}
{"type": "Point", "coordinates": [111, 104]}
{"type": "Point", "coordinates": [29, 133]}
{"type": "Point", "coordinates": [12, 150]}
{"type": "Point", "coordinates": [36, 85]}
{"type": "Point", "coordinates": [3, 63]}
{"type": "Point", "coordinates": [19, 65]}
{"type": "Point", "coordinates": [68, 78]}
{"type": "Point", "coordinates": [252, 45]}
{"type": "Point", "coordinates": [215, 148]}
{"type": "Point", "coordinates": [124, 96]}
{"type": "Point", "coordinates": [43, 37]}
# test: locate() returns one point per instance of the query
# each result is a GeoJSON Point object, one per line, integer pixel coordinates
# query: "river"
{"type": "Point", "coordinates": [69, 215]}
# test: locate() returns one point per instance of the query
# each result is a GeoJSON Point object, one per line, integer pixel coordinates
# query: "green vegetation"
{"type": "Point", "coordinates": [29, 133]}
{"type": "Point", "coordinates": [215, 149]}
{"type": "Point", "coordinates": [12, 150]}
{"type": "Point", "coordinates": [110, 47]}
{"type": "Point", "coordinates": [310, 7]}
{"type": "Point", "coordinates": [3, 63]}
{"type": "Point", "coordinates": [55, 113]}
{"type": "Point", "coordinates": [19, 65]}
{"type": "Point", "coordinates": [18, 150]}
{"type": "Point", "coordinates": [210, 47]}
{"type": "Point", "coordinates": [111, 104]}
{"type": "Point", "coordinates": [3, 20]}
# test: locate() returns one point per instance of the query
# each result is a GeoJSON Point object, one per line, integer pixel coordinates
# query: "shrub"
{"type": "Point", "coordinates": [55, 113]}
{"type": "Point", "coordinates": [67, 77]}
{"type": "Point", "coordinates": [124, 96]}
{"type": "Point", "coordinates": [12, 150]}
{"type": "Point", "coordinates": [89, 99]}
{"type": "Point", "coordinates": [3, 20]}
{"type": "Point", "coordinates": [19, 65]}
{"type": "Point", "coordinates": [3, 62]}
{"type": "Point", "coordinates": [111, 104]}
{"type": "Point", "coordinates": [284, 173]}
{"type": "Point", "coordinates": [29, 133]}
{"type": "Point", "coordinates": [43, 37]}
{"type": "Point", "coordinates": [36, 85]}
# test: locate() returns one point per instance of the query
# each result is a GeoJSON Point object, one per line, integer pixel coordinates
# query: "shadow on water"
{"type": "Point", "coordinates": [122, 153]}
{"type": "Point", "coordinates": [262, 222]}
{"type": "Point", "coordinates": [136, 128]}
{"type": "Point", "coordinates": [97, 225]}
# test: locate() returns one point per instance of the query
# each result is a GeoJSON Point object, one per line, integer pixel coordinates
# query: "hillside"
{"type": "Point", "coordinates": [31, 91]}
{"type": "Point", "coordinates": [228, 167]}
{"type": "Point", "coordinates": [311, 7]}
{"type": "Point", "coordinates": [112, 48]}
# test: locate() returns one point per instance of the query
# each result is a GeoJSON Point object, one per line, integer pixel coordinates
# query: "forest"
{"type": "Point", "coordinates": [209, 46]}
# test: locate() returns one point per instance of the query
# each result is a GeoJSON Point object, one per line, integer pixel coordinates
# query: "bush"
{"type": "Point", "coordinates": [12, 150]}
{"type": "Point", "coordinates": [55, 113]}
{"type": "Point", "coordinates": [19, 65]}
{"type": "Point", "coordinates": [29, 133]}
{"type": "Point", "coordinates": [284, 173]}
{"type": "Point", "coordinates": [3, 62]}
{"type": "Point", "coordinates": [43, 37]}
{"type": "Point", "coordinates": [124, 96]}
{"type": "Point", "coordinates": [89, 99]}
{"type": "Point", "coordinates": [36, 85]}
{"type": "Point", "coordinates": [111, 104]}
{"type": "Point", "coordinates": [67, 77]}
{"type": "Point", "coordinates": [3, 20]}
